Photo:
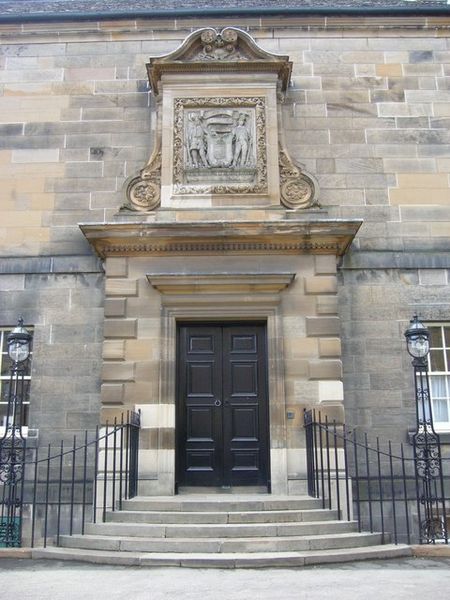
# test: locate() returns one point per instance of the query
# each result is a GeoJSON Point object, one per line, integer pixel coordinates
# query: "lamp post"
{"type": "Point", "coordinates": [426, 442]}
{"type": "Point", "coordinates": [12, 442]}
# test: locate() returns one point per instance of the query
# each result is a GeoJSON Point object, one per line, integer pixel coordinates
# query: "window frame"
{"type": "Point", "coordinates": [440, 426]}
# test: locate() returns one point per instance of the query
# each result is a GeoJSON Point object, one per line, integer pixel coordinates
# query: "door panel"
{"type": "Point", "coordinates": [222, 423]}
{"type": "Point", "coordinates": [245, 421]}
{"type": "Point", "coordinates": [199, 423]}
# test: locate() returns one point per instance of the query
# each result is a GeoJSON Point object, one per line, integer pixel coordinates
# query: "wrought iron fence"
{"type": "Point", "coordinates": [383, 486]}
{"type": "Point", "coordinates": [45, 493]}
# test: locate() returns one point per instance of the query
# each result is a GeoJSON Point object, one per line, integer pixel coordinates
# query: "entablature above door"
{"type": "Point", "coordinates": [302, 236]}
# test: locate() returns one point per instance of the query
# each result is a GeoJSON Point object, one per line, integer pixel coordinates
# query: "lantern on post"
{"type": "Point", "coordinates": [426, 442]}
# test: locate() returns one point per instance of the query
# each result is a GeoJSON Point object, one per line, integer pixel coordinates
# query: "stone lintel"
{"type": "Point", "coordinates": [325, 236]}
{"type": "Point", "coordinates": [180, 283]}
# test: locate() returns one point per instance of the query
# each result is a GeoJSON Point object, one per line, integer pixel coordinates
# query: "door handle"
{"type": "Point", "coordinates": [217, 403]}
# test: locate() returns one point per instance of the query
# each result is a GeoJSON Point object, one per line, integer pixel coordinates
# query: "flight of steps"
{"type": "Point", "coordinates": [223, 532]}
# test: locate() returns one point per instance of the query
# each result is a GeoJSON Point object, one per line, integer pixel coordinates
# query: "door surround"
{"type": "Point", "coordinates": [224, 298]}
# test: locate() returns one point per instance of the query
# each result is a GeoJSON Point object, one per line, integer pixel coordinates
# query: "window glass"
{"type": "Point", "coordinates": [447, 336]}
{"type": "Point", "coordinates": [435, 337]}
{"type": "Point", "coordinates": [437, 360]}
{"type": "Point", "coordinates": [440, 411]}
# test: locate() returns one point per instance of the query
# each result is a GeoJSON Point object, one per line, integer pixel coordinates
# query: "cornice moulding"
{"type": "Point", "coordinates": [326, 236]}
{"type": "Point", "coordinates": [220, 283]}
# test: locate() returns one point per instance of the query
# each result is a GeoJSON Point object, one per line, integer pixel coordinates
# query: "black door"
{"type": "Point", "coordinates": [222, 422]}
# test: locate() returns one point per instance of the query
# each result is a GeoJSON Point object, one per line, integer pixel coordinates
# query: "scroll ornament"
{"type": "Point", "coordinates": [297, 190]}
{"type": "Point", "coordinates": [144, 191]}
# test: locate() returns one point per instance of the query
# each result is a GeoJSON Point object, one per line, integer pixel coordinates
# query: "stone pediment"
{"type": "Point", "coordinates": [228, 50]}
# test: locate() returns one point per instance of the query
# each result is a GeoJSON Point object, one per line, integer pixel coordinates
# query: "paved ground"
{"type": "Point", "coordinates": [406, 579]}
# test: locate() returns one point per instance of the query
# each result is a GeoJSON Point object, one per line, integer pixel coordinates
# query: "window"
{"type": "Point", "coordinates": [439, 373]}
{"type": "Point", "coordinates": [5, 373]}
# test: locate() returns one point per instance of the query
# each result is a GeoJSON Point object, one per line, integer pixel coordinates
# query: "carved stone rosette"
{"type": "Point", "coordinates": [259, 185]}
{"type": "Point", "coordinates": [297, 190]}
{"type": "Point", "coordinates": [144, 191]}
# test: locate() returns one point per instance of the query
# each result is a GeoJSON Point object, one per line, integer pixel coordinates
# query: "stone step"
{"type": "Point", "coordinates": [268, 516]}
{"type": "Point", "coordinates": [219, 531]}
{"type": "Point", "coordinates": [221, 545]}
{"type": "Point", "coordinates": [220, 503]}
{"type": "Point", "coordinates": [224, 560]}
{"type": "Point", "coordinates": [234, 490]}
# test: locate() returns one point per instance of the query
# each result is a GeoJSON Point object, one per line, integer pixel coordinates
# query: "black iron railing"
{"type": "Point", "coordinates": [375, 483]}
{"type": "Point", "coordinates": [62, 488]}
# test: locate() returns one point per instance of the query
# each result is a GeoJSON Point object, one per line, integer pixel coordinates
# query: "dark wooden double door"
{"type": "Point", "coordinates": [222, 408]}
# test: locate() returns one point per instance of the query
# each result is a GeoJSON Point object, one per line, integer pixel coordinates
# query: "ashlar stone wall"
{"type": "Point", "coordinates": [367, 114]}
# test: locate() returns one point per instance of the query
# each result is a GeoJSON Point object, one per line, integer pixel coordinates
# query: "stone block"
{"type": "Point", "coordinates": [322, 284]}
{"type": "Point", "coordinates": [400, 109]}
{"type": "Point", "coordinates": [112, 393]}
{"type": "Point", "coordinates": [434, 150]}
{"type": "Point", "coordinates": [123, 371]}
{"type": "Point", "coordinates": [401, 136]}
{"type": "Point", "coordinates": [139, 350]}
{"type": "Point", "coordinates": [427, 69]}
{"type": "Point", "coordinates": [325, 369]}
{"type": "Point", "coordinates": [376, 196]}
{"type": "Point", "coordinates": [413, 180]}
{"type": "Point", "coordinates": [300, 347]}
{"type": "Point", "coordinates": [433, 277]}
{"type": "Point", "coordinates": [144, 371]}
{"type": "Point", "coordinates": [409, 165]}
{"type": "Point", "coordinates": [121, 287]}
{"type": "Point", "coordinates": [413, 122]}
{"type": "Point", "coordinates": [141, 392]}
{"type": "Point", "coordinates": [12, 283]}
{"type": "Point", "coordinates": [322, 326]}
{"type": "Point", "coordinates": [419, 196]}
{"type": "Point", "coordinates": [389, 70]}
{"type": "Point", "coordinates": [327, 305]}
{"type": "Point", "coordinates": [87, 184]}
{"type": "Point", "coordinates": [84, 169]}
{"type": "Point", "coordinates": [329, 347]}
{"type": "Point", "coordinates": [120, 328]}
{"type": "Point", "coordinates": [331, 391]}
{"type": "Point", "coordinates": [36, 155]}
{"type": "Point", "coordinates": [89, 74]}
{"type": "Point", "coordinates": [115, 307]}
{"type": "Point", "coordinates": [116, 267]}
{"type": "Point", "coordinates": [114, 349]}
{"type": "Point", "coordinates": [351, 136]}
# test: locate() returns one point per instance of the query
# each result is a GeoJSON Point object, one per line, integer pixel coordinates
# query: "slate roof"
{"type": "Point", "coordinates": [29, 8]}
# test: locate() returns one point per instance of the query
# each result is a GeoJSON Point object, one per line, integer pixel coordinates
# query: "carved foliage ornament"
{"type": "Point", "coordinates": [231, 183]}
{"type": "Point", "coordinates": [219, 46]}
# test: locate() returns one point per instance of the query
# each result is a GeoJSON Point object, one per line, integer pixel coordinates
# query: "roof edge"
{"type": "Point", "coordinates": [230, 12]}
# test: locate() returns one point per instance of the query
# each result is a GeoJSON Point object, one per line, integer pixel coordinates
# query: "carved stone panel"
{"type": "Point", "coordinates": [219, 145]}
{"type": "Point", "coordinates": [219, 135]}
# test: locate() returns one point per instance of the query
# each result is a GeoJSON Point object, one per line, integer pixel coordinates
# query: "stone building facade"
{"type": "Point", "coordinates": [361, 106]}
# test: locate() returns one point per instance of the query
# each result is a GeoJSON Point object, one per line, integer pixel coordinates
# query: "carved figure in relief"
{"type": "Point", "coordinates": [241, 140]}
{"type": "Point", "coordinates": [197, 142]}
